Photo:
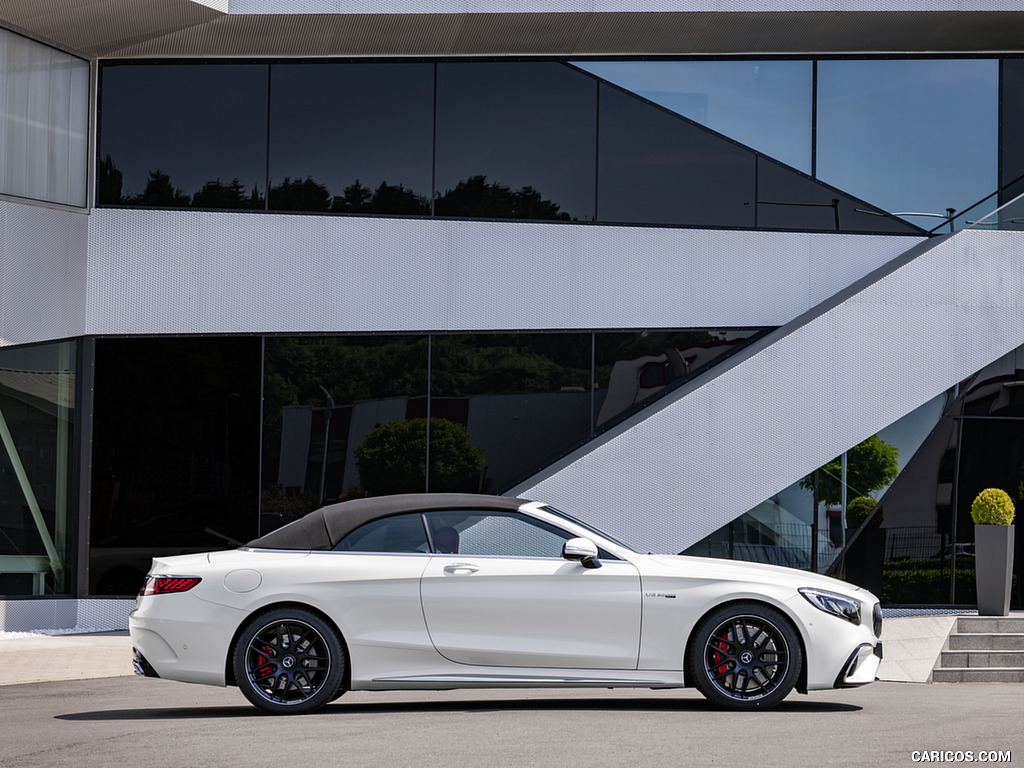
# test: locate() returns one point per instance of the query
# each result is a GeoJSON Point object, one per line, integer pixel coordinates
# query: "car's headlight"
{"type": "Point", "coordinates": [832, 602]}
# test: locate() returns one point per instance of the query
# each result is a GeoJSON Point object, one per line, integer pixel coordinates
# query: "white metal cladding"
{"type": "Point", "coordinates": [185, 272]}
{"type": "Point", "coordinates": [72, 616]}
{"type": "Point", "coordinates": [880, 349]}
{"type": "Point", "coordinates": [42, 272]}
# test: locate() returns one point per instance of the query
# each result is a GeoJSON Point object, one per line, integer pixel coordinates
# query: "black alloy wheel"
{"type": "Point", "coordinates": [289, 661]}
{"type": "Point", "coordinates": [745, 656]}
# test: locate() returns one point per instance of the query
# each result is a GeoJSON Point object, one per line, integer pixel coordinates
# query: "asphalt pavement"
{"type": "Point", "coordinates": [82, 718]}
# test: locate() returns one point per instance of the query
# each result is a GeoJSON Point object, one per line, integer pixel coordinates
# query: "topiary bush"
{"type": "Point", "coordinates": [992, 507]}
{"type": "Point", "coordinates": [857, 511]}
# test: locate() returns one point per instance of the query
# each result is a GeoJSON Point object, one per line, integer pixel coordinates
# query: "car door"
{"type": "Point", "coordinates": [502, 595]}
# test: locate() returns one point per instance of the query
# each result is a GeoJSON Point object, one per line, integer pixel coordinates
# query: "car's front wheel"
{"type": "Point", "coordinates": [289, 661]}
{"type": "Point", "coordinates": [745, 656]}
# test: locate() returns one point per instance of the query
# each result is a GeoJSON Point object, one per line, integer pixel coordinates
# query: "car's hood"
{"type": "Point", "coordinates": [739, 570]}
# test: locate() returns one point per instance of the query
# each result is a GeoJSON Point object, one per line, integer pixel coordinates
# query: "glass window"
{"type": "Point", "coordinates": [518, 399]}
{"type": "Point", "coordinates": [44, 119]}
{"type": "Point", "coordinates": [37, 439]}
{"type": "Point", "coordinates": [183, 134]}
{"type": "Point", "coordinates": [399, 534]}
{"type": "Point", "coordinates": [1012, 129]}
{"type": "Point", "coordinates": [765, 105]}
{"type": "Point", "coordinates": [515, 140]}
{"type": "Point", "coordinates": [909, 136]}
{"type": "Point", "coordinates": [654, 167]}
{"type": "Point", "coordinates": [500, 534]}
{"type": "Point", "coordinates": [176, 443]}
{"type": "Point", "coordinates": [631, 369]}
{"type": "Point", "coordinates": [367, 394]}
{"type": "Point", "coordinates": [351, 137]}
{"type": "Point", "coordinates": [788, 200]}
{"type": "Point", "coordinates": [990, 456]}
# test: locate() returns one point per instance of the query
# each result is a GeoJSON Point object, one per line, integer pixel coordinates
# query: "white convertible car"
{"type": "Point", "coordinates": [446, 591]}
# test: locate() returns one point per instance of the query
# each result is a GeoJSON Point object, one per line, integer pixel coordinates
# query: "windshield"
{"type": "Point", "coordinates": [587, 526]}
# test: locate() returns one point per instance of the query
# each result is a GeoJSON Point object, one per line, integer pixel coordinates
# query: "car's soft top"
{"type": "Point", "coordinates": [325, 527]}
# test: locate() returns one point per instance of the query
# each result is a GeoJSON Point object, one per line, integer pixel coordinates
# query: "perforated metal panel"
{"type": "Point", "coordinates": [42, 272]}
{"type": "Point", "coordinates": [191, 272]}
{"type": "Point", "coordinates": [66, 615]}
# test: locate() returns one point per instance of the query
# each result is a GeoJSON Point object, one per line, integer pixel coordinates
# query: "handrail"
{"type": "Point", "coordinates": [951, 221]}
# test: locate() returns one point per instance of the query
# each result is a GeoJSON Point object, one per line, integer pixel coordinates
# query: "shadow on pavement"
{"type": "Point", "coordinates": [511, 705]}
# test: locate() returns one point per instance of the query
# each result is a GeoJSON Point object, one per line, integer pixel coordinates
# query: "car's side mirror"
{"type": "Point", "coordinates": [583, 550]}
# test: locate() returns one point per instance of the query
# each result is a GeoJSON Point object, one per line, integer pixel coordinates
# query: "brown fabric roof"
{"type": "Point", "coordinates": [325, 527]}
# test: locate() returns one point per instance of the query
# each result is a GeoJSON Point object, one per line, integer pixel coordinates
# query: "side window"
{"type": "Point", "coordinates": [401, 533]}
{"type": "Point", "coordinates": [502, 534]}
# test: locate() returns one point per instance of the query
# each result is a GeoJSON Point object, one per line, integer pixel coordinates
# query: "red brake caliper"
{"type": "Point", "coordinates": [261, 660]}
{"type": "Point", "coordinates": [719, 658]}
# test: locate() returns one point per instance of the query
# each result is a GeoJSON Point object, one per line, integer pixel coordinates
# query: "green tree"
{"type": "Point", "coordinates": [870, 465]}
{"type": "Point", "coordinates": [392, 458]}
{"type": "Point", "coordinates": [300, 195]}
{"type": "Point", "coordinates": [160, 192]}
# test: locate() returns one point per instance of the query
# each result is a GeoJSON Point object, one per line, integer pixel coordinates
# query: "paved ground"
{"type": "Point", "coordinates": [94, 712]}
{"type": "Point", "coordinates": [139, 721]}
{"type": "Point", "coordinates": [911, 647]}
{"type": "Point", "coordinates": [26, 658]}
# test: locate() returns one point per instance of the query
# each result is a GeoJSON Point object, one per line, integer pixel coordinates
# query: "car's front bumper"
{"type": "Point", "coordinates": [839, 653]}
{"type": "Point", "coordinates": [862, 667]}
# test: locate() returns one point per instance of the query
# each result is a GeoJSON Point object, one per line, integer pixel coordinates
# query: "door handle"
{"type": "Point", "coordinates": [456, 567]}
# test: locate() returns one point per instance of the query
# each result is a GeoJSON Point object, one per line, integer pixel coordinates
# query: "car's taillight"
{"type": "Point", "coordinates": [163, 585]}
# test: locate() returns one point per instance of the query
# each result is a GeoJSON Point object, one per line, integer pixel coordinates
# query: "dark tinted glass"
{"type": "Point", "coordinates": [989, 455]}
{"type": "Point", "coordinates": [632, 369]}
{"type": "Point", "coordinates": [367, 395]}
{"type": "Point", "coordinates": [497, 534]}
{"type": "Point", "coordinates": [175, 452]}
{"type": "Point", "coordinates": [519, 399]}
{"type": "Point", "coordinates": [788, 200]}
{"type": "Point", "coordinates": [37, 456]}
{"type": "Point", "coordinates": [655, 167]}
{"type": "Point", "coordinates": [1012, 129]}
{"type": "Point", "coordinates": [183, 134]}
{"type": "Point", "coordinates": [515, 140]}
{"type": "Point", "coordinates": [351, 137]}
{"type": "Point", "coordinates": [398, 534]}
{"type": "Point", "coordinates": [765, 105]}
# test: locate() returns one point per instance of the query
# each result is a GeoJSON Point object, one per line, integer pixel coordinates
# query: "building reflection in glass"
{"type": "Point", "coordinates": [37, 427]}
{"type": "Point", "coordinates": [501, 406]}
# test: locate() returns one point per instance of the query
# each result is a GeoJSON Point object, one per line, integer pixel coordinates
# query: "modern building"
{"type": "Point", "coordinates": [655, 263]}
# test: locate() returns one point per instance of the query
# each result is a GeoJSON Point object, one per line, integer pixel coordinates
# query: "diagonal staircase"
{"type": "Point", "coordinates": [799, 396]}
{"type": "Point", "coordinates": [983, 649]}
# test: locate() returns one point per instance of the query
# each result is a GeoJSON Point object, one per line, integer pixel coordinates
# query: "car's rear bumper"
{"type": "Point", "coordinates": [179, 637]}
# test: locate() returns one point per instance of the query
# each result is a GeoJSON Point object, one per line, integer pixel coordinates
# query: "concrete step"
{"type": "Point", "coordinates": [982, 659]}
{"type": "Point", "coordinates": [971, 675]}
{"type": "Point", "coordinates": [983, 649]}
{"type": "Point", "coordinates": [987, 642]}
{"type": "Point", "coordinates": [990, 625]}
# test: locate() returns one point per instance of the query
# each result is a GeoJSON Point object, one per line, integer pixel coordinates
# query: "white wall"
{"type": "Point", "coordinates": [194, 272]}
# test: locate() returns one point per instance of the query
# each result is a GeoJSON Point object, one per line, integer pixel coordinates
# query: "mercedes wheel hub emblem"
{"type": "Point", "coordinates": [288, 662]}
{"type": "Point", "coordinates": [746, 657]}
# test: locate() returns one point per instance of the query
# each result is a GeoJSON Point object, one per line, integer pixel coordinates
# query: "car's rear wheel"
{"type": "Point", "coordinates": [289, 661]}
{"type": "Point", "coordinates": [745, 656]}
